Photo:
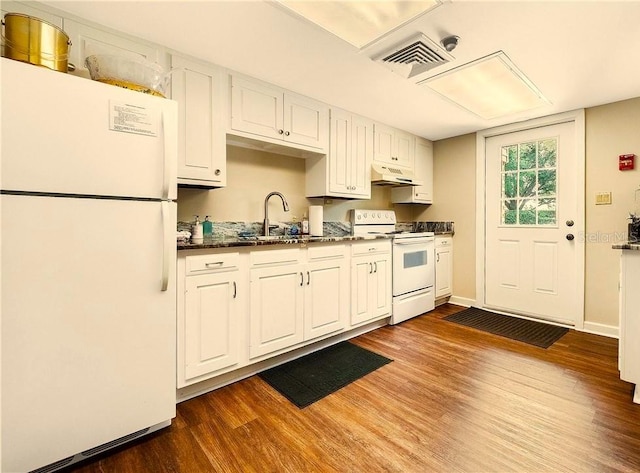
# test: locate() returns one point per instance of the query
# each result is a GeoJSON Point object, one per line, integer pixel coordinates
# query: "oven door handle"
{"type": "Point", "coordinates": [413, 241]}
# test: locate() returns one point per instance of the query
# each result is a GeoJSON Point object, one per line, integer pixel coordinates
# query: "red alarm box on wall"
{"type": "Point", "coordinates": [625, 161]}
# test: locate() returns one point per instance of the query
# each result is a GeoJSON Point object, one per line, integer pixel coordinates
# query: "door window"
{"type": "Point", "coordinates": [529, 183]}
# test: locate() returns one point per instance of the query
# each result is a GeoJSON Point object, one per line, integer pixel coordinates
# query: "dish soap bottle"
{"type": "Point", "coordinates": [207, 228]}
{"type": "Point", "coordinates": [196, 231]}
{"type": "Point", "coordinates": [305, 224]}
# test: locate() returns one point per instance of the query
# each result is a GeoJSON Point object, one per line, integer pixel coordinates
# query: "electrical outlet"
{"type": "Point", "coordinates": [603, 198]}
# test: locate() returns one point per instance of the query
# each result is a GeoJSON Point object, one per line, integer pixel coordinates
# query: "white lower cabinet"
{"type": "Point", "coordinates": [241, 306]}
{"type": "Point", "coordinates": [444, 266]}
{"type": "Point", "coordinates": [326, 298]}
{"type": "Point", "coordinates": [276, 301]}
{"type": "Point", "coordinates": [209, 312]}
{"type": "Point", "coordinates": [370, 281]}
{"type": "Point", "coordinates": [296, 296]}
{"type": "Point", "coordinates": [629, 346]}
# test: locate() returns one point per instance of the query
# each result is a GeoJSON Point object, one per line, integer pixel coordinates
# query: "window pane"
{"type": "Point", "coordinates": [510, 158]}
{"type": "Point", "coordinates": [509, 185]}
{"type": "Point", "coordinates": [527, 217]}
{"type": "Point", "coordinates": [527, 155]}
{"type": "Point", "coordinates": [546, 217]}
{"type": "Point", "coordinates": [547, 182]}
{"type": "Point", "coordinates": [509, 212]}
{"type": "Point", "coordinates": [527, 184]}
{"type": "Point", "coordinates": [547, 150]}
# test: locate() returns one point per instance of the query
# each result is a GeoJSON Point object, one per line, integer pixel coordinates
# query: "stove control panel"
{"type": "Point", "coordinates": [373, 217]}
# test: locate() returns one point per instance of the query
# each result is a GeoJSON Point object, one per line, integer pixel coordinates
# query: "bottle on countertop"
{"type": "Point", "coordinates": [293, 229]}
{"type": "Point", "coordinates": [196, 231]}
{"type": "Point", "coordinates": [207, 228]}
{"type": "Point", "coordinates": [305, 224]}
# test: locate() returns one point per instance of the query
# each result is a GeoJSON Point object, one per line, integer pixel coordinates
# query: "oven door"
{"type": "Point", "coordinates": [413, 264]}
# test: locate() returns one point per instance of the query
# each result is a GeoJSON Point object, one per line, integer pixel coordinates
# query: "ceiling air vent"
{"type": "Point", "coordinates": [414, 56]}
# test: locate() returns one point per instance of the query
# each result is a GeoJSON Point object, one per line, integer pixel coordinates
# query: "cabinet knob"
{"type": "Point", "coordinates": [280, 132]}
{"type": "Point", "coordinates": [570, 236]}
{"type": "Point", "coordinates": [217, 172]}
{"type": "Point", "coordinates": [286, 133]}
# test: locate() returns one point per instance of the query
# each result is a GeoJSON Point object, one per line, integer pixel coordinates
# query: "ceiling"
{"type": "Point", "coordinates": [578, 53]}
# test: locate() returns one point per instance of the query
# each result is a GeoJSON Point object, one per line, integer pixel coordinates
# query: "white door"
{"type": "Point", "coordinates": [534, 224]}
{"type": "Point", "coordinates": [87, 332]}
{"type": "Point", "coordinates": [256, 108]}
{"type": "Point", "coordinates": [277, 305]}
{"type": "Point", "coordinates": [305, 121]}
{"type": "Point", "coordinates": [211, 323]}
{"type": "Point", "coordinates": [323, 314]}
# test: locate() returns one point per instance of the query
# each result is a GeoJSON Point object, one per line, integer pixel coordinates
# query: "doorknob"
{"type": "Point", "coordinates": [570, 236]}
{"type": "Point", "coordinates": [569, 223]}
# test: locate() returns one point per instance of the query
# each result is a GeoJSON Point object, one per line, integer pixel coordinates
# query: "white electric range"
{"type": "Point", "coordinates": [413, 255]}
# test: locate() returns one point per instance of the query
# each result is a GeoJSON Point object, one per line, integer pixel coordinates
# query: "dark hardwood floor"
{"type": "Point", "coordinates": [454, 400]}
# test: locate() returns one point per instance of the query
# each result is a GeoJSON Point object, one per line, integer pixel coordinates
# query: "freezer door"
{"type": "Point", "coordinates": [88, 335]}
{"type": "Point", "coordinates": [65, 134]}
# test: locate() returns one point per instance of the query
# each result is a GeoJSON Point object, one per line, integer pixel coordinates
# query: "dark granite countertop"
{"type": "Point", "coordinates": [230, 242]}
{"type": "Point", "coordinates": [626, 246]}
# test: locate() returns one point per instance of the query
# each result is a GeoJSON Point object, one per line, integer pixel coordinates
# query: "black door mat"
{"type": "Point", "coordinates": [528, 331]}
{"type": "Point", "coordinates": [310, 378]}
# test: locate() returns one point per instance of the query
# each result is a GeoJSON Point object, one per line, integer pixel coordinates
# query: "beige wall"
{"type": "Point", "coordinates": [252, 175]}
{"type": "Point", "coordinates": [611, 130]}
{"type": "Point", "coordinates": [454, 194]}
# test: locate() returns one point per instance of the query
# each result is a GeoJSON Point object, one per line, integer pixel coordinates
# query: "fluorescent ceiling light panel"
{"type": "Point", "coordinates": [359, 22]}
{"type": "Point", "coordinates": [490, 87]}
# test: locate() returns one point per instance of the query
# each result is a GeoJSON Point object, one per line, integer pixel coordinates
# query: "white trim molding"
{"type": "Point", "coordinates": [576, 116]}
{"type": "Point", "coordinates": [610, 331]}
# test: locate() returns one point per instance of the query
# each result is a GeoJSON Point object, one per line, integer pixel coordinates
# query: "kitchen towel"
{"type": "Point", "coordinates": [315, 220]}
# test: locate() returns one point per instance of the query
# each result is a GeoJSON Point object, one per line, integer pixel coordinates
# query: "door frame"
{"type": "Point", "coordinates": [576, 116]}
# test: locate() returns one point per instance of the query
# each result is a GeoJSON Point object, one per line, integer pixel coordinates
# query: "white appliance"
{"type": "Point", "coordinates": [413, 256]}
{"type": "Point", "coordinates": [88, 192]}
{"type": "Point", "coordinates": [382, 175]}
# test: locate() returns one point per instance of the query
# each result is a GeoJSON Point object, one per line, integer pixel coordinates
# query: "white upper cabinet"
{"type": "Point", "coordinates": [277, 115]}
{"type": "Point", "coordinates": [202, 154]}
{"type": "Point", "coordinates": [393, 147]}
{"type": "Point", "coordinates": [424, 172]}
{"type": "Point", "coordinates": [87, 40]}
{"type": "Point", "coordinates": [346, 171]}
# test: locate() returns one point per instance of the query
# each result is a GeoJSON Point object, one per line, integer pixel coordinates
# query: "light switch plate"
{"type": "Point", "coordinates": [603, 198]}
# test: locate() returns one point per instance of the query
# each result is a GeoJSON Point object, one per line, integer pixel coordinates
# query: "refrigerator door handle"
{"type": "Point", "coordinates": [168, 157]}
{"type": "Point", "coordinates": [167, 241]}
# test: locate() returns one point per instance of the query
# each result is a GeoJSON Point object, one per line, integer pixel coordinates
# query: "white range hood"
{"type": "Point", "coordinates": [382, 175]}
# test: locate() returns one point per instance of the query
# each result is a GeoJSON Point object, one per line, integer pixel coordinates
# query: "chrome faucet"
{"type": "Point", "coordinates": [285, 206]}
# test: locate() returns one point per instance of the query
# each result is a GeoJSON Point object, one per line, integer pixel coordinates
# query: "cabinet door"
{"type": "Point", "coordinates": [443, 272]}
{"type": "Point", "coordinates": [361, 156]}
{"type": "Point", "coordinates": [381, 294]}
{"type": "Point", "coordinates": [405, 144]}
{"type": "Point", "coordinates": [87, 41]}
{"type": "Point", "coordinates": [256, 108]}
{"type": "Point", "coordinates": [340, 152]}
{"type": "Point", "coordinates": [361, 290]}
{"type": "Point", "coordinates": [306, 121]}
{"type": "Point", "coordinates": [424, 171]}
{"type": "Point", "coordinates": [202, 151]}
{"type": "Point", "coordinates": [211, 324]}
{"type": "Point", "coordinates": [383, 145]}
{"type": "Point", "coordinates": [276, 308]}
{"type": "Point", "coordinates": [326, 298]}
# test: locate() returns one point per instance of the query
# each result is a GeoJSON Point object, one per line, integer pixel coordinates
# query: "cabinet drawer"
{"type": "Point", "coordinates": [443, 242]}
{"type": "Point", "coordinates": [332, 251]}
{"type": "Point", "coordinates": [211, 263]}
{"type": "Point", "coordinates": [371, 247]}
{"type": "Point", "coordinates": [270, 257]}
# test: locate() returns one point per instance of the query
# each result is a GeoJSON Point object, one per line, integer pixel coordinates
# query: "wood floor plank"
{"type": "Point", "coordinates": [454, 400]}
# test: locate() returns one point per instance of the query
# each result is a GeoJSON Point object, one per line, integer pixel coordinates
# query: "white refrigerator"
{"type": "Point", "coordinates": [88, 252]}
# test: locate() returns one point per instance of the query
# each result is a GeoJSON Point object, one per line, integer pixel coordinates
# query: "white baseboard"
{"type": "Point", "coordinates": [462, 301]}
{"type": "Point", "coordinates": [610, 331]}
